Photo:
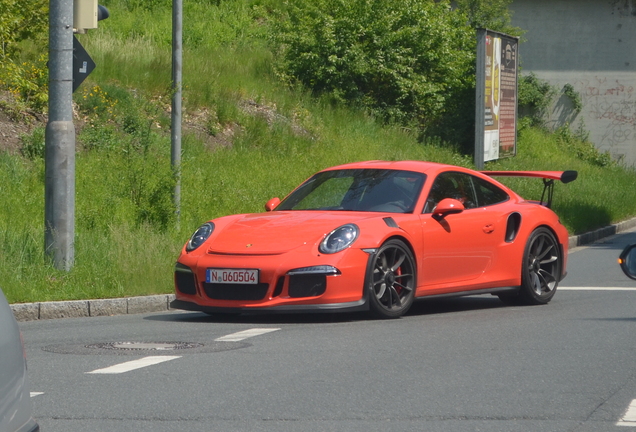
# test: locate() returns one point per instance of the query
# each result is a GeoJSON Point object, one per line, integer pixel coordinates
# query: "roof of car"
{"type": "Point", "coordinates": [419, 166]}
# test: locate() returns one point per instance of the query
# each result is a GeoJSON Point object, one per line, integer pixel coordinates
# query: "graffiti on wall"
{"type": "Point", "coordinates": [610, 104]}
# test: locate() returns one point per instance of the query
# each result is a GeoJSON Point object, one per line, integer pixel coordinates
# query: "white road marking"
{"type": "Point", "coordinates": [562, 288]}
{"type": "Point", "coordinates": [237, 337]}
{"type": "Point", "coordinates": [629, 419]}
{"type": "Point", "coordinates": [34, 394]}
{"type": "Point", "coordinates": [132, 365]}
{"type": "Point", "coordinates": [153, 360]}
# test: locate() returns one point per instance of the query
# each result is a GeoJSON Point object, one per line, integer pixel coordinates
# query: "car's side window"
{"type": "Point", "coordinates": [454, 185]}
{"type": "Point", "coordinates": [488, 193]}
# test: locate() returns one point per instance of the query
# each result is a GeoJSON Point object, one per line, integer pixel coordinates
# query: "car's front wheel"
{"type": "Point", "coordinates": [392, 280]}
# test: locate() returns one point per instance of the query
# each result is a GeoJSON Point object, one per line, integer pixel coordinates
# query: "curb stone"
{"type": "Point", "coordinates": [91, 308]}
{"type": "Point", "coordinates": [158, 303]}
{"type": "Point", "coordinates": [592, 236]}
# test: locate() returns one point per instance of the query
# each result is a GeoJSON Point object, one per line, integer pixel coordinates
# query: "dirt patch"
{"type": "Point", "coordinates": [14, 123]}
{"type": "Point", "coordinates": [197, 124]}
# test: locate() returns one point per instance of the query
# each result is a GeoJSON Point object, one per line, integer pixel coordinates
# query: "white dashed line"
{"type": "Point", "coordinates": [237, 337]}
{"type": "Point", "coordinates": [34, 394]}
{"type": "Point", "coordinates": [629, 419]}
{"type": "Point", "coordinates": [562, 288]}
{"type": "Point", "coordinates": [135, 364]}
{"type": "Point", "coordinates": [153, 360]}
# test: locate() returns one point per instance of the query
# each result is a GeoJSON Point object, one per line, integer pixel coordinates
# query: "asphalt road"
{"type": "Point", "coordinates": [469, 364]}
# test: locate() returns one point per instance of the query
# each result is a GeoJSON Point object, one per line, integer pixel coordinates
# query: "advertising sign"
{"type": "Point", "coordinates": [496, 96]}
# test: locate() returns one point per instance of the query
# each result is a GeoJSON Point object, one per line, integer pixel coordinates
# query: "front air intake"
{"type": "Point", "coordinates": [225, 291]}
{"type": "Point", "coordinates": [184, 279]}
{"type": "Point", "coordinates": [307, 285]}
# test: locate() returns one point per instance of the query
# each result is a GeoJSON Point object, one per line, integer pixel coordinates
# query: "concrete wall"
{"type": "Point", "coordinates": [590, 44]}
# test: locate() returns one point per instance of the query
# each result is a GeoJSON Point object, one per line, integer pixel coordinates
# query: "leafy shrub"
{"type": "Point", "coordinates": [20, 20]}
{"type": "Point", "coordinates": [409, 62]}
{"type": "Point", "coordinates": [27, 81]}
{"type": "Point", "coordinates": [405, 61]}
{"type": "Point", "coordinates": [32, 145]}
{"type": "Point", "coordinates": [99, 136]}
{"type": "Point", "coordinates": [534, 97]}
{"type": "Point", "coordinates": [575, 97]}
{"type": "Point", "coordinates": [95, 101]}
{"type": "Point", "coordinates": [576, 142]}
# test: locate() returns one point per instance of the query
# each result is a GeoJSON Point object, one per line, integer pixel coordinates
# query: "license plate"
{"type": "Point", "coordinates": [231, 276]}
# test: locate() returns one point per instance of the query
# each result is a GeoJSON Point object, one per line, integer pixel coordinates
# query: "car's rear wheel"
{"type": "Point", "coordinates": [392, 280]}
{"type": "Point", "coordinates": [541, 268]}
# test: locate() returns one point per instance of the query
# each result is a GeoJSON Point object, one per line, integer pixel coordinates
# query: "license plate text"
{"type": "Point", "coordinates": [232, 276]}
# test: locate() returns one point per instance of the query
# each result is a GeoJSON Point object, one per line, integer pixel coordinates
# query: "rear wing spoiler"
{"type": "Point", "coordinates": [548, 180]}
{"type": "Point", "coordinates": [564, 176]}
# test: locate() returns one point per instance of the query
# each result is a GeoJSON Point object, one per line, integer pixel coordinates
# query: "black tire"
{"type": "Point", "coordinates": [541, 268]}
{"type": "Point", "coordinates": [392, 280]}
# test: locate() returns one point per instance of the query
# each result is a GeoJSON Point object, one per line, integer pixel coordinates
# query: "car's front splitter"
{"type": "Point", "coordinates": [354, 306]}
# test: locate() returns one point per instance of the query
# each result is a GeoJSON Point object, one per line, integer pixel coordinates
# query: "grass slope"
{"type": "Point", "coordinates": [247, 138]}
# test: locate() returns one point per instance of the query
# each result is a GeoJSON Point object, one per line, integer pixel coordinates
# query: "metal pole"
{"type": "Point", "coordinates": [480, 68]}
{"type": "Point", "coordinates": [177, 65]}
{"type": "Point", "coordinates": [59, 193]}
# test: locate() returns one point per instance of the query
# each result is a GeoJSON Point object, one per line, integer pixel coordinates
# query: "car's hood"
{"type": "Point", "coordinates": [277, 232]}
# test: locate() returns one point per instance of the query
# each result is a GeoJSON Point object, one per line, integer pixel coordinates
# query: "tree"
{"type": "Point", "coordinates": [20, 20]}
{"type": "Point", "coordinates": [491, 14]}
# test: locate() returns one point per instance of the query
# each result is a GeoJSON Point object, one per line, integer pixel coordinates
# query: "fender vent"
{"type": "Point", "coordinates": [512, 227]}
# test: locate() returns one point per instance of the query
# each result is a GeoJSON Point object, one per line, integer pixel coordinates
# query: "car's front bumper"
{"type": "Point", "coordinates": [287, 283]}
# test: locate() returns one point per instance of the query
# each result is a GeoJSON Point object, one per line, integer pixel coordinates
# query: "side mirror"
{"type": "Point", "coordinates": [272, 204]}
{"type": "Point", "coordinates": [627, 260]}
{"type": "Point", "coordinates": [446, 207]}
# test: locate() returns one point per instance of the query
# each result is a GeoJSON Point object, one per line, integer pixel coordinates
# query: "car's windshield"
{"type": "Point", "coordinates": [373, 190]}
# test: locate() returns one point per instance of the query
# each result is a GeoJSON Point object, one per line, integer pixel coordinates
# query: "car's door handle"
{"type": "Point", "coordinates": [489, 228]}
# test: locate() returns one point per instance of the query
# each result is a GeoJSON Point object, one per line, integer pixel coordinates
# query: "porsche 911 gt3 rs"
{"type": "Point", "coordinates": [375, 236]}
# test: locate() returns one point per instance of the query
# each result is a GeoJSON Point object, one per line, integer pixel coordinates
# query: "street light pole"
{"type": "Point", "coordinates": [59, 193]}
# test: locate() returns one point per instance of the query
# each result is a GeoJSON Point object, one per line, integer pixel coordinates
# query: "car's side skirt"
{"type": "Point", "coordinates": [493, 291]}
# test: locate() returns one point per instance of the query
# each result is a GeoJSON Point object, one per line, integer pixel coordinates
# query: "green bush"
{"type": "Point", "coordinates": [405, 61]}
{"type": "Point", "coordinates": [27, 81]}
{"type": "Point", "coordinates": [21, 20]}
{"type": "Point", "coordinates": [534, 98]}
{"type": "Point", "coordinates": [32, 145]}
{"type": "Point", "coordinates": [576, 142]}
{"type": "Point", "coordinates": [409, 62]}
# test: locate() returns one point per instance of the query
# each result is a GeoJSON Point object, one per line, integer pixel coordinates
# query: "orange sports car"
{"type": "Point", "coordinates": [375, 236]}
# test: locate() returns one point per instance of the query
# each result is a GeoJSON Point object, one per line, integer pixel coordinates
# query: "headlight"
{"type": "Point", "coordinates": [200, 236]}
{"type": "Point", "coordinates": [339, 239]}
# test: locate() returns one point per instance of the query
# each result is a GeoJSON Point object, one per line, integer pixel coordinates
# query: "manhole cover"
{"type": "Point", "coordinates": [146, 346]}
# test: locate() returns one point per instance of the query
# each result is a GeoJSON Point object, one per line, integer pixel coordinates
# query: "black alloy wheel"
{"type": "Point", "coordinates": [392, 280]}
{"type": "Point", "coordinates": [541, 268]}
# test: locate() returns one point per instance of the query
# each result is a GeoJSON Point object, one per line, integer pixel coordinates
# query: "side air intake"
{"type": "Point", "coordinates": [512, 227]}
